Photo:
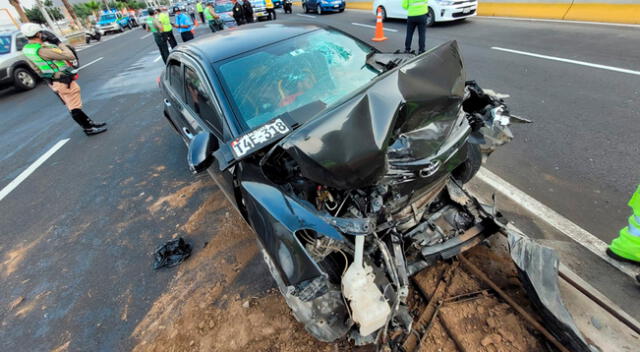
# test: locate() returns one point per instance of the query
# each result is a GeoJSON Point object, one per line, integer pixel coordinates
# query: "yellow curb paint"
{"type": "Point", "coordinates": [360, 5]}
{"type": "Point", "coordinates": [616, 13]}
{"type": "Point", "coordinates": [547, 11]}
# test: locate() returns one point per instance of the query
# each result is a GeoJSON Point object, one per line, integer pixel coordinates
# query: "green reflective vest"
{"type": "Point", "coordinates": [199, 7]}
{"type": "Point", "coordinates": [163, 17]}
{"type": "Point", "coordinates": [47, 67]}
{"type": "Point", "coordinates": [152, 28]}
{"type": "Point", "coordinates": [415, 7]}
{"type": "Point", "coordinates": [207, 14]}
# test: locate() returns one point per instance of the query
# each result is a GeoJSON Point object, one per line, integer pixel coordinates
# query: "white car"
{"type": "Point", "coordinates": [439, 10]}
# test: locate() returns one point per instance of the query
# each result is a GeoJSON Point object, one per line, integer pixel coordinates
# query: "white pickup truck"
{"type": "Point", "coordinates": [439, 10]}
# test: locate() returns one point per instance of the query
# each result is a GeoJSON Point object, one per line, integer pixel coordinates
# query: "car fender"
{"type": "Point", "coordinates": [276, 217]}
{"type": "Point", "coordinates": [20, 63]}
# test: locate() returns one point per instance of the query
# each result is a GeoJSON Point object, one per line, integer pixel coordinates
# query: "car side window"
{"type": "Point", "coordinates": [21, 41]}
{"type": "Point", "coordinates": [199, 99]}
{"type": "Point", "coordinates": [174, 76]}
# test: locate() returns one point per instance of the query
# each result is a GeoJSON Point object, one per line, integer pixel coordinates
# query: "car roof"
{"type": "Point", "coordinates": [228, 43]}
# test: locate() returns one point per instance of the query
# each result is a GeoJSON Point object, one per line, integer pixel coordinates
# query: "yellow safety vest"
{"type": "Point", "coordinates": [269, 4]}
{"type": "Point", "coordinates": [163, 17]}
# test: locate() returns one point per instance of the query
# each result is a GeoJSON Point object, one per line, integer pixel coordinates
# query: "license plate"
{"type": "Point", "coordinates": [467, 10]}
{"type": "Point", "coordinates": [259, 137]}
{"type": "Point", "coordinates": [260, 14]}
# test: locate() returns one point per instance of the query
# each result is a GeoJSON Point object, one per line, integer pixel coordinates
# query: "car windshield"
{"type": "Point", "coordinates": [5, 44]}
{"type": "Point", "coordinates": [226, 7]}
{"type": "Point", "coordinates": [107, 17]}
{"type": "Point", "coordinates": [321, 67]}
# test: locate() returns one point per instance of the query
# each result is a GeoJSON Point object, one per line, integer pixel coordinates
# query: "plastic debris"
{"type": "Point", "coordinates": [172, 253]}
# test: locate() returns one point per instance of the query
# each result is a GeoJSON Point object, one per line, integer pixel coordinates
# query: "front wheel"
{"type": "Point", "coordinates": [431, 18]}
{"type": "Point", "coordinates": [341, 10]}
{"type": "Point", "coordinates": [88, 40]}
{"type": "Point", "coordinates": [24, 79]}
{"type": "Point", "coordinates": [470, 167]}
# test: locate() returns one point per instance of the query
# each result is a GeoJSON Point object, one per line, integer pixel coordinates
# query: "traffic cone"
{"type": "Point", "coordinates": [379, 28]}
{"type": "Point", "coordinates": [626, 247]}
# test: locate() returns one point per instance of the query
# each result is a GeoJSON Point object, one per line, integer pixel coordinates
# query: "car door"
{"type": "Point", "coordinates": [174, 100]}
{"type": "Point", "coordinates": [203, 114]}
{"type": "Point", "coordinates": [395, 9]}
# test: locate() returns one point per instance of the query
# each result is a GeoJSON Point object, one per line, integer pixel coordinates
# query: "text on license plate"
{"type": "Point", "coordinates": [466, 10]}
{"type": "Point", "coordinates": [257, 138]}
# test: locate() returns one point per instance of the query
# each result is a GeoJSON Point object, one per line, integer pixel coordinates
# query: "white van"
{"type": "Point", "coordinates": [439, 10]}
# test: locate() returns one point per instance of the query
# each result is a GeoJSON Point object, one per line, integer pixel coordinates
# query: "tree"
{"type": "Point", "coordinates": [34, 15]}
{"type": "Point", "coordinates": [72, 13]}
{"type": "Point", "coordinates": [21, 12]}
{"type": "Point", "coordinates": [93, 6]}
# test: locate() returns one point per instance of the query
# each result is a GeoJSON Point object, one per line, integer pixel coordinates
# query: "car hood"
{"type": "Point", "coordinates": [106, 22]}
{"type": "Point", "coordinates": [404, 117]}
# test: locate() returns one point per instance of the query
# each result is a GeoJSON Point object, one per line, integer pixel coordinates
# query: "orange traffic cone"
{"type": "Point", "coordinates": [379, 29]}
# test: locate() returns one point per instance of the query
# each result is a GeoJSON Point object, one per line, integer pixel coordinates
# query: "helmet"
{"type": "Point", "coordinates": [30, 29]}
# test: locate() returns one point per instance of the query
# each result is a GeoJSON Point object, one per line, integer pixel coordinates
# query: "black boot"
{"type": "Point", "coordinates": [98, 124]}
{"type": "Point", "coordinates": [94, 130]}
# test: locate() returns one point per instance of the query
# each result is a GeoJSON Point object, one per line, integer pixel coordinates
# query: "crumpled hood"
{"type": "Point", "coordinates": [405, 116]}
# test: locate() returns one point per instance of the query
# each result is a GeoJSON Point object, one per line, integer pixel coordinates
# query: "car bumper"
{"type": "Point", "coordinates": [109, 28]}
{"type": "Point", "coordinates": [456, 12]}
{"type": "Point", "coordinates": [332, 7]}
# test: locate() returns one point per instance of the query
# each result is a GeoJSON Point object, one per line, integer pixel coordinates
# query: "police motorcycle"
{"type": "Point", "coordinates": [92, 33]}
{"type": "Point", "coordinates": [286, 5]}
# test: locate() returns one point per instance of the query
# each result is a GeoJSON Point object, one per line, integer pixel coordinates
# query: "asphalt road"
{"type": "Point", "coordinates": [78, 233]}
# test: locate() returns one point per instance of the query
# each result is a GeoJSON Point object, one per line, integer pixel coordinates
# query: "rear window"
{"type": "Point", "coordinates": [5, 44]}
{"type": "Point", "coordinates": [318, 68]}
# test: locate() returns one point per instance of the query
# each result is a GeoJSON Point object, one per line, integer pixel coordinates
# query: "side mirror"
{"type": "Point", "coordinates": [201, 150]}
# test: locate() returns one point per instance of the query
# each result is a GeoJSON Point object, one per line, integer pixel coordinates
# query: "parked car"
{"type": "Point", "coordinates": [259, 9]}
{"type": "Point", "coordinates": [110, 22]}
{"type": "Point", "coordinates": [322, 6]}
{"type": "Point", "coordinates": [439, 10]}
{"type": "Point", "coordinates": [350, 175]}
{"type": "Point", "coordinates": [14, 68]}
{"type": "Point", "coordinates": [225, 10]}
{"type": "Point", "coordinates": [142, 18]}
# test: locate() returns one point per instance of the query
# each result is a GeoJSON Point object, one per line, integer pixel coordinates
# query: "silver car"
{"type": "Point", "coordinates": [14, 68]}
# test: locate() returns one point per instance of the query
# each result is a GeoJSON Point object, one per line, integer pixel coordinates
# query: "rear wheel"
{"type": "Point", "coordinates": [24, 79]}
{"type": "Point", "coordinates": [431, 18]}
{"type": "Point", "coordinates": [305, 8]}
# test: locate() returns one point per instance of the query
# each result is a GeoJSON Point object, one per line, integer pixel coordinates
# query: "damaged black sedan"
{"type": "Point", "coordinates": [347, 162]}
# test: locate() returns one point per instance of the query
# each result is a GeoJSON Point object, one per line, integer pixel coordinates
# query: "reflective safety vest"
{"type": "Point", "coordinates": [47, 67]}
{"type": "Point", "coordinates": [207, 14]}
{"type": "Point", "coordinates": [152, 28]}
{"type": "Point", "coordinates": [164, 20]}
{"type": "Point", "coordinates": [269, 4]}
{"type": "Point", "coordinates": [415, 7]}
{"type": "Point", "coordinates": [199, 7]}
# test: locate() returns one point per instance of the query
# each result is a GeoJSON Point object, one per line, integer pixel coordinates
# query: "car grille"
{"type": "Point", "coordinates": [462, 14]}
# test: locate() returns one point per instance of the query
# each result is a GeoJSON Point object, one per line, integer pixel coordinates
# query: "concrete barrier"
{"type": "Point", "coordinates": [615, 11]}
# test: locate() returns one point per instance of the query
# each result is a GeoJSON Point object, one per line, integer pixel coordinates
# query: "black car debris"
{"type": "Point", "coordinates": [347, 162]}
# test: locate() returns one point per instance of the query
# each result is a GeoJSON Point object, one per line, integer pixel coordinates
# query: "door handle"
{"type": "Point", "coordinates": [187, 132]}
{"type": "Point", "coordinates": [167, 103]}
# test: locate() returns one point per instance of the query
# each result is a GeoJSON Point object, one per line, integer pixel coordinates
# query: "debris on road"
{"type": "Point", "coordinates": [172, 253]}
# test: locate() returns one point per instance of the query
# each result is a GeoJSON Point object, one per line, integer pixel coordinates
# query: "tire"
{"type": "Point", "coordinates": [23, 79]}
{"type": "Point", "coordinates": [129, 25]}
{"type": "Point", "coordinates": [305, 8]}
{"type": "Point", "coordinates": [384, 13]}
{"type": "Point", "coordinates": [431, 18]}
{"type": "Point", "coordinates": [98, 37]}
{"type": "Point", "coordinates": [470, 167]}
{"type": "Point", "coordinates": [88, 40]}
{"type": "Point", "coordinates": [341, 10]}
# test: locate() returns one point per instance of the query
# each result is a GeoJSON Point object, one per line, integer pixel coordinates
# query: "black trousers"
{"type": "Point", "coordinates": [412, 23]}
{"type": "Point", "coordinates": [202, 17]}
{"type": "Point", "coordinates": [161, 42]}
{"type": "Point", "coordinates": [272, 14]}
{"type": "Point", "coordinates": [186, 36]}
{"type": "Point", "coordinates": [171, 39]}
{"type": "Point", "coordinates": [81, 118]}
{"type": "Point", "coordinates": [287, 8]}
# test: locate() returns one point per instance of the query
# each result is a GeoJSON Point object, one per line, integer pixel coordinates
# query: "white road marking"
{"type": "Point", "coordinates": [374, 27]}
{"type": "Point", "coordinates": [28, 171]}
{"type": "Point", "coordinates": [559, 21]}
{"type": "Point", "coordinates": [582, 63]}
{"type": "Point", "coordinates": [157, 59]}
{"type": "Point", "coordinates": [548, 215]}
{"type": "Point", "coordinates": [146, 36]}
{"type": "Point", "coordinates": [90, 63]}
{"type": "Point", "coordinates": [301, 15]}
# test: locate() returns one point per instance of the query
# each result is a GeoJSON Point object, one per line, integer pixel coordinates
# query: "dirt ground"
{"type": "Point", "coordinates": [223, 299]}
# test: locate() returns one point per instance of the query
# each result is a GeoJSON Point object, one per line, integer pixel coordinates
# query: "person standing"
{"type": "Point", "coordinates": [192, 12]}
{"type": "Point", "coordinates": [248, 11]}
{"type": "Point", "coordinates": [213, 20]}
{"type": "Point", "coordinates": [200, 10]}
{"type": "Point", "coordinates": [416, 17]}
{"type": "Point", "coordinates": [286, 5]}
{"type": "Point", "coordinates": [183, 24]}
{"type": "Point", "coordinates": [50, 58]}
{"type": "Point", "coordinates": [271, 9]}
{"type": "Point", "coordinates": [154, 26]}
{"type": "Point", "coordinates": [167, 28]}
{"type": "Point", "coordinates": [238, 13]}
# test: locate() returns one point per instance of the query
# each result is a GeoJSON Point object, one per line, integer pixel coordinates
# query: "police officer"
{"type": "Point", "coordinates": [154, 26]}
{"type": "Point", "coordinates": [248, 11]}
{"type": "Point", "coordinates": [51, 60]}
{"type": "Point", "coordinates": [166, 27]}
{"type": "Point", "coordinates": [183, 24]}
{"type": "Point", "coordinates": [271, 9]}
{"type": "Point", "coordinates": [200, 10]}
{"type": "Point", "coordinates": [416, 17]}
{"type": "Point", "coordinates": [213, 20]}
{"type": "Point", "coordinates": [238, 12]}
